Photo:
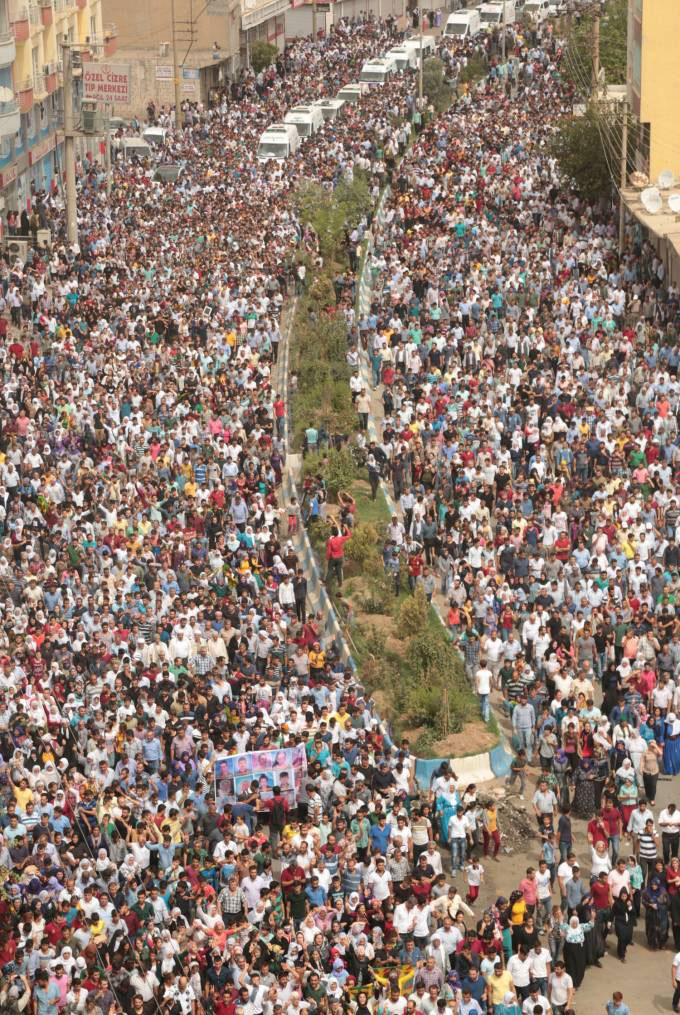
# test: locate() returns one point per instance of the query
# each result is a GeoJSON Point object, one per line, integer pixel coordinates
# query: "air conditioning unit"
{"type": "Point", "coordinates": [17, 248]}
{"type": "Point", "coordinates": [164, 49]}
{"type": "Point", "coordinates": [91, 121]}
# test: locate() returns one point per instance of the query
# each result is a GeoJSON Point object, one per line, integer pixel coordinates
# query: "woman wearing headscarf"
{"type": "Point", "coordinates": [628, 796]}
{"type": "Point", "coordinates": [574, 949]}
{"type": "Point", "coordinates": [656, 901]}
{"type": "Point", "coordinates": [624, 920]}
{"type": "Point", "coordinates": [583, 804]}
{"type": "Point", "coordinates": [671, 748]}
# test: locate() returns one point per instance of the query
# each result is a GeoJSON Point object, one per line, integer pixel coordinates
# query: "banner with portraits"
{"type": "Point", "coordinates": [239, 776]}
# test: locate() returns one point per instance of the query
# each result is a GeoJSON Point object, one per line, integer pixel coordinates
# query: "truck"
{"type": "Point", "coordinates": [404, 58]}
{"type": "Point", "coordinates": [307, 119]}
{"type": "Point", "coordinates": [491, 14]}
{"type": "Point", "coordinates": [429, 44]}
{"type": "Point", "coordinates": [330, 108]}
{"type": "Point", "coordinates": [377, 72]}
{"type": "Point", "coordinates": [463, 24]}
{"type": "Point", "coordinates": [278, 141]}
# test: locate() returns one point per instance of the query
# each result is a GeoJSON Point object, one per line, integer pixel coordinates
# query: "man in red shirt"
{"type": "Point", "coordinates": [335, 553]}
{"type": "Point", "coordinates": [601, 892]}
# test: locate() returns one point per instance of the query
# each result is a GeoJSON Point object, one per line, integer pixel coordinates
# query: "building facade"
{"type": "Point", "coordinates": [31, 38]}
{"type": "Point", "coordinates": [654, 83]}
{"type": "Point", "coordinates": [262, 20]}
{"type": "Point", "coordinates": [207, 36]}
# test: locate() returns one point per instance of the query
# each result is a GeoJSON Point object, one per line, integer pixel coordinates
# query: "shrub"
{"type": "Point", "coordinates": [339, 471]}
{"type": "Point", "coordinates": [474, 69]}
{"type": "Point", "coordinates": [434, 85]}
{"type": "Point", "coordinates": [363, 544]}
{"type": "Point", "coordinates": [262, 54]}
{"type": "Point", "coordinates": [413, 615]}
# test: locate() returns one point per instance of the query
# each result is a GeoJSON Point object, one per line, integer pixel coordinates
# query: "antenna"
{"type": "Point", "coordinates": [666, 179]}
{"type": "Point", "coordinates": [651, 200]}
{"type": "Point", "coordinates": [674, 203]}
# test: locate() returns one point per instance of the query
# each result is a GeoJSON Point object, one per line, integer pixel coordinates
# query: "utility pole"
{"type": "Point", "coordinates": [175, 70]}
{"type": "Point", "coordinates": [107, 150]}
{"type": "Point", "coordinates": [596, 53]}
{"type": "Point", "coordinates": [314, 35]}
{"type": "Point", "coordinates": [69, 148]}
{"type": "Point", "coordinates": [420, 69]}
{"type": "Point", "coordinates": [624, 175]}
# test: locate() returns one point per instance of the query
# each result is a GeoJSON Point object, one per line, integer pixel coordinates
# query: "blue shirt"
{"type": "Point", "coordinates": [380, 837]}
{"type": "Point", "coordinates": [47, 998]}
{"type": "Point", "coordinates": [617, 1009]}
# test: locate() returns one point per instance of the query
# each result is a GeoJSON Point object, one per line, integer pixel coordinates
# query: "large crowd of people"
{"type": "Point", "coordinates": [199, 810]}
{"type": "Point", "coordinates": [525, 374]}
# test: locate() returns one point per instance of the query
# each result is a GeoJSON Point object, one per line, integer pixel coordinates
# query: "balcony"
{"type": "Point", "coordinates": [51, 79]}
{"type": "Point", "coordinates": [21, 25]}
{"type": "Point", "coordinates": [35, 16]}
{"type": "Point", "coordinates": [25, 92]}
{"type": "Point", "coordinates": [39, 87]}
{"type": "Point", "coordinates": [110, 40]}
{"type": "Point", "coordinates": [10, 118]}
{"type": "Point", "coordinates": [81, 4]}
{"type": "Point", "coordinates": [46, 12]}
{"type": "Point", "coordinates": [62, 7]}
{"type": "Point", "coordinates": [8, 48]}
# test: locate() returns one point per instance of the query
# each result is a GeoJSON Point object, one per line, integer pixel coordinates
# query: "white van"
{"type": "Point", "coordinates": [463, 25]}
{"type": "Point", "coordinates": [330, 108]}
{"type": "Point", "coordinates": [491, 14]}
{"type": "Point", "coordinates": [377, 72]}
{"type": "Point", "coordinates": [403, 57]}
{"type": "Point", "coordinates": [278, 142]}
{"type": "Point", "coordinates": [133, 148]}
{"type": "Point", "coordinates": [155, 136]}
{"type": "Point", "coordinates": [353, 92]}
{"type": "Point", "coordinates": [537, 10]}
{"type": "Point", "coordinates": [307, 119]}
{"type": "Point", "coordinates": [429, 45]}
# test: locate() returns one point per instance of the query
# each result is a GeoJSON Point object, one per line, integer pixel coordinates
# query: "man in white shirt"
{"type": "Point", "coordinates": [380, 881]}
{"type": "Point", "coordinates": [519, 967]}
{"type": "Point", "coordinates": [483, 678]}
{"type": "Point", "coordinates": [560, 989]}
{"type": "Point", "coordinates": [669, 823]}
{"type": "Point", "coordinates": [540, 965]}
{"type": "Point", "coordinates": [534, 1000]}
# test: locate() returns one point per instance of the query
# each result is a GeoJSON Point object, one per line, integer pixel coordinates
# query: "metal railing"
{"type": "Point", "coordinates": [35, 15]}
{"type": "Point", "coordinates": [26, 85]}
{"type": "Point", "coordinates": [39, 84]}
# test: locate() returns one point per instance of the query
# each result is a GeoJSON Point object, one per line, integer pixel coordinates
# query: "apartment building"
{"type": "Point", "coordinates": [31, 89]}
{"type": "Point", "coordinates": [654, 82]}
{"type": "Point", "coordinates": [207, 36]}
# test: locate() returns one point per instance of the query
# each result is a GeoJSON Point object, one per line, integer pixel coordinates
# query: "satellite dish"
{"type": "Point", "coordinates": [674, 203]}
{"type": "Point", "coordinates": [6, 94]}
{"type": "Point", "coordinates": [666, 179]}
{"type": "Point", "coordinates": [651, 200]}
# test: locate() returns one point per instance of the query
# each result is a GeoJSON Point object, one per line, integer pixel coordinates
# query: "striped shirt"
{"type": "Point", "coordinates": [647, 845]}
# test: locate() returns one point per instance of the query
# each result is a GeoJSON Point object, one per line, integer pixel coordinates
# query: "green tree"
{"type": "Point", "coordinates": [578, 60]}
{"type": "Point", "coordinates": [331, 213]}
{"type": "Point", "coordinates": [434, 86]}
{"type": "Point", "coordinates": [262, 54]}
{"type": "Point", "coordinates": [579, 147]}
